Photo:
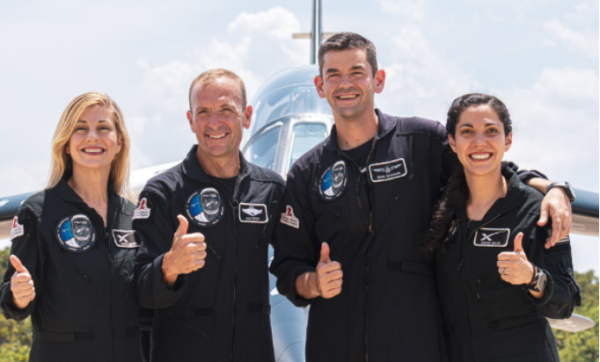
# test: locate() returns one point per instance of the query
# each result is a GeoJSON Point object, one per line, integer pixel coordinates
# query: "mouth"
{"type": "Point", "coordinates": [94, 151]}
{"type": "Point", "coordinates": [480, 156]}
{"type": "Point", "coordinates": [217, 136]}
{"type": "Point", "coordinates": [347, 97]}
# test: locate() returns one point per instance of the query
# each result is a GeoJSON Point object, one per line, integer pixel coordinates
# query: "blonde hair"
{"type": "Point", "coordinates": [62, 162]}
{"type": "Point", "coordinates": [211, 75]}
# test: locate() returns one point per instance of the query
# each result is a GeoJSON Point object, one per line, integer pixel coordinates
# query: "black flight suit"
{"type": "Point", "coordinates": [220, 312]}
{"type": "Point", "coordinates": [486, 318]}
{"type": "Point", "coordinates": [387, 308]}
{"type": "Point", "coordinates": [85, 307]}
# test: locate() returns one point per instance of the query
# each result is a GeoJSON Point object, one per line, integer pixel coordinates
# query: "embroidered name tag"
{"type": "Point", "coordinates": [288, 218]}
{"type": "Point", "coordinates": [143, 211]}
{"type": "Point", "coordinates": [125, 239]}
{"type": "Point", "coordinates": [492, 237]}
{"type": "Point", "coordinates": [253, 213]}
{"type": "Point", "coordinates": [386, 171]}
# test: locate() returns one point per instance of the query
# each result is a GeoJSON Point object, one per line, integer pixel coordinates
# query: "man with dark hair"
{"type": "Point", "coordinates": [205, 227]}
{"type": "Point", "coordinates": [349, 243]}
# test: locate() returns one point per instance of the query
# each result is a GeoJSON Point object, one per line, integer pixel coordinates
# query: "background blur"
{"type": "Point", "coordinates": [539, 56]}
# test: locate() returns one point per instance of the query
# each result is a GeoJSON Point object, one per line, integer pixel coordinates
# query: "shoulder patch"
{"type": "Point", "coordinates": [288, 218]}
{"type": "Point", "coordinates": [253, 213]}
{"type": "Point", "coordinates": [492, 237]}
{"type": "Point", "coordinates": [389, 170]}
{"type": "Point", "coordinates": [142, 212]}
{"type": "Point", "coordinates": [125, 239]}
{"type": "Point", "coordinates": [17, 229]}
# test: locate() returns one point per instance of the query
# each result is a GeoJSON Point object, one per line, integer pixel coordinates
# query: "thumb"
{"type": "Point", "coordinates": [325, 253]}
{"type": "Point", "coordinates": [183, 226]}
{"type": "Point", "coordinates": [16, 263]}
{"type": "Point", "coordinates": [519, 242]}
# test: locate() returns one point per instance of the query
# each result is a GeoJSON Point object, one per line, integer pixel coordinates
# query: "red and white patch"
{"type": "Point", "coordinates": [142, 212]}
{"type": "Point", "coordinates": [288, 218]}
{"type": "Point", "coordinates": [17, 229]}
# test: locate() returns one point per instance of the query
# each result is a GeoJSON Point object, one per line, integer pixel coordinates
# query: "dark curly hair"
{"type": "Point", "coordinates": [456, 191]}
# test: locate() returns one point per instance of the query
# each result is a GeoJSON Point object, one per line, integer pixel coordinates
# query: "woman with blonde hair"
{"type": "Point", "coordinates": [73, 249]}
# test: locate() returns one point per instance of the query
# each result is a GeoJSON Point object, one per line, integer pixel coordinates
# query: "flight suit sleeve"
{"type": "Point", "coordinates": [562, 293]}
{"type": "Point", "coordinates": [27, 248]}
{"type": "Point", "coordinates": [296, 250]}
{"type": "Point", "coordinates": [156, 231]}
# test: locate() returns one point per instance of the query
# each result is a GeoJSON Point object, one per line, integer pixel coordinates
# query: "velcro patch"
{"type": "Point", "coordinates": [253, 213]}
{"type": "Point", "coordinates": [288, 218]}
{"type": "Point", "coordinates": [125, 239]}
{"type": "Point", "coordinates": [142, 212]}
{"type": "Point", "coordinates": [17, 229]}
{"type": "Point", "coordinates": [386, 171]}
{"type": "Point", "coordinates": [492, 237]}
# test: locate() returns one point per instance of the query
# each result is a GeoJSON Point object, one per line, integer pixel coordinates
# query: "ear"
{"type": "Point", "coordinates": [379, 80]}
{"type": "Point", "coordinates": [508, 142]}
{"type": "Point", "coordinates": [319, 85]}
{"type": "Point", "coordinates": [190, 120]}
{"type": "Point", "coordinates": [67, 149]}
{"type": "Point", "coordinates": [452, 142]}
{"type": "Point", "coordinates": [247, 117]}
{"type": "Point", "coordinates": [119, 144]}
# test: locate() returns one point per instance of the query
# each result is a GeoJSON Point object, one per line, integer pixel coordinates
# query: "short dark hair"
{"type": "Point", "coordinates": [460, 104]}
{"type": "Point", "coordinates": [346, 40]}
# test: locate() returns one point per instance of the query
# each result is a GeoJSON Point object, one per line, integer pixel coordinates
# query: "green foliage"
{"type": "Point", "coordinates": [582, 346]}
{"type": "Point", "coordinates": [15, 337]}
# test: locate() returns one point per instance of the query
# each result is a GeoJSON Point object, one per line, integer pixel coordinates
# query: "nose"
{"type": "Point", "coordinates": [346, 82]}
{"type": "Point", "coordinates": [214, 121]}
{"type": "Point", "coordinates": [93, 135]}
{"type": "Point", "coordinates": [479, 140]}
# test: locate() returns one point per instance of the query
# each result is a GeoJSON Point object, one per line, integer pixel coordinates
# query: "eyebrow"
{"type": "Point", "coordinates": [100, 121]}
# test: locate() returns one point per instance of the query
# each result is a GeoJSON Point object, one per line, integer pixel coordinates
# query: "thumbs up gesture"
{"type": "Point", "coordinates": [329, 275]}
{"type": "Point", "coordinates": [21, 284]}
{"type": "Point", "coordinates": [514, 268]}
{"type": "Point", "coordinates": [187, 253]}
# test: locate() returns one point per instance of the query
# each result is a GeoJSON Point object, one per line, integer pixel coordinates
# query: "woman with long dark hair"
{"type": "Point", "coordinates": [73, 249]}
{"type": "Point", "coordinates": [496, 280]}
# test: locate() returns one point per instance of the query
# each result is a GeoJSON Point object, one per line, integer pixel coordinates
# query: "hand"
{"type": "Point", "coordinates": [329, 275]}
{"type": "Point", "coordinates": [21, 284]}
{"type": "Point", "coordinates": [558, 206]}
{"type": "Point", "coordinates": [187, 253]}
{"type": "Point", "coordinates": [514, 266]}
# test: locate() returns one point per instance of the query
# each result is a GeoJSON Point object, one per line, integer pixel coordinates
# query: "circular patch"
{"type": "Point", "coordinates": [333, 182]}
{"type": "Point", "coordinates": [205, 207]}
{"type": "Point", "coordinates": [76, 233]}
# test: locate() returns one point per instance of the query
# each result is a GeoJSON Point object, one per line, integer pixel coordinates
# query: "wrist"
{"type": "Point", "coordinates": [565, 187]}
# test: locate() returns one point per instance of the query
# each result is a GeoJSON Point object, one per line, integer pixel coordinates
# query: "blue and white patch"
{"type": "Point", "coordinates": [76, 233]}
{"type": "Point", "coordinates": [333, 181]}
{"type": "Point", "coordinates": [387, 171]}
{"type": "Point", "coordinates": [125, 239]}
{"type": "Point", "coordinates": [205, 208]}
{"type": "Point", "coordinates": [253, 213]}
{"type": "Point", "coordinates": [492, 237]}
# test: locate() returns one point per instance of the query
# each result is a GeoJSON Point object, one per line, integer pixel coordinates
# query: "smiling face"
{"type": "Point", "coordinates": [218, 118]}
{"type": "Point", "coordinates": [348, 83]}
{"type": "Point", "coordinates": [479, 140]}
{"type": "Point", "coordinates": [94, 142]}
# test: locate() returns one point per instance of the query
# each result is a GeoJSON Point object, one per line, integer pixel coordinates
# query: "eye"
{"type": "Point", "coordinates": [466, 132]}
{"type": "Point", "coordinates": [493, 131]}
{"type": "Point", "coordinates": [334, 75]}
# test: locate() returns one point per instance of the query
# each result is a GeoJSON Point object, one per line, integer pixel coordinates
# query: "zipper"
{"type": "Point", "coordinates": [460, 261]}
{"type": "Point", "coordinates": [366, 251]}
{"type": "Point", "coordinates": [233, 203]}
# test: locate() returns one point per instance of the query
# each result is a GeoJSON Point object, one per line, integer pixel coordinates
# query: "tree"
{"type": "Point", "coordinates": [582, 346]}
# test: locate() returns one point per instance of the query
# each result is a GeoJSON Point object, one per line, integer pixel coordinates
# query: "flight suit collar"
{"type": "Point", "coordinates": [65, 192]}
{"type": "Point", "coordinates": [191, 167]}
{"type": "Point", "coordinates": [516, 195]}
{"type": "Point", "coordinates": [386, 124]}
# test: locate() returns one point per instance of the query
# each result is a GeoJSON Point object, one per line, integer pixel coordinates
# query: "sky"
{"type": "Point", "coordinates": [539, 56]}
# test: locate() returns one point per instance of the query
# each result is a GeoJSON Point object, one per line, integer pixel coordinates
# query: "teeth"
{"type": "Point", "coordinates": [481, 156]}
{"type": "Point", "coordinates": [347, 97]}
{"type": "Point", "coordinates": [93, 150]}
{"type": "Point", "coordinates": [217, 137]}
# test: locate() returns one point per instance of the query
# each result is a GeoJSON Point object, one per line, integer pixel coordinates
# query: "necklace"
{"type": "Point", "coordinates": [486, 205]}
